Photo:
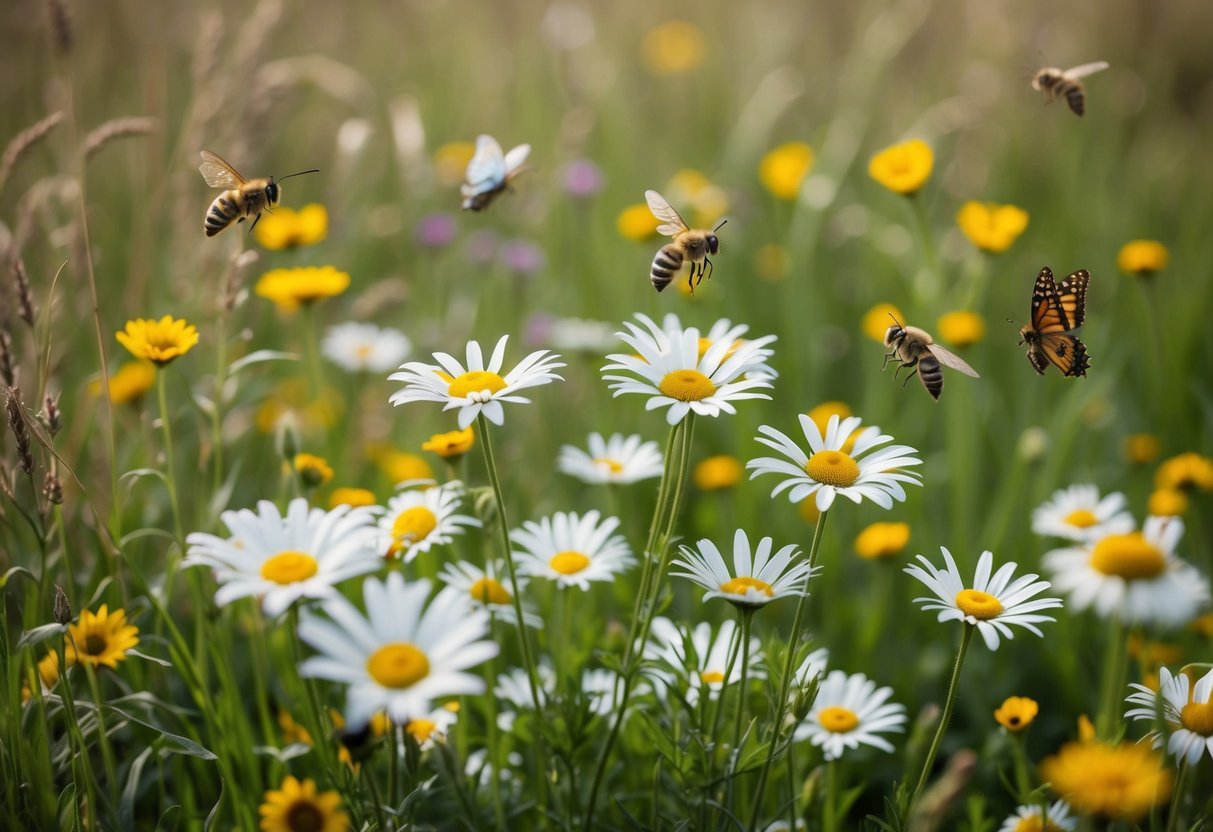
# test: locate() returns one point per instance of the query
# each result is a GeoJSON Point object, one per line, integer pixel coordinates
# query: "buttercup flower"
{"type": "Point", "coordinates": [299, 806]}
{"type": "Point", "coordinates": [129, 383]}
{"type": "Point", "coordinates": [1078, 513]}
{"type": "Point", "coordinates": [637, 223]}
{"type": "Point", "coordinates": [283, 559]}
{"type": "Point", "coordinates": [619, 460]}
{"type": "Point", "coordinates": [717, 473]}
{"type": "Point", "coordinates": [1016, 713]}
{"type": "Point", "coordinates": [756, 578]}
{"type": "Point", "coordinates": [158, 341]}
{"type": "Point", "coordinates": [1167, 502]}
{"type": "Point", "coordinates": [572, 549]}
{"type": "Point", "coordinates": [673, 47]}
{"type": "Point", "coordinates": [291, 288]}
{"type": "Point", "coordinates": [991, 227]}
{"type": "Point", "coordinates": [1136, 575]}
{"type": "Point", "coordinates": [1114, 781]}
{"type": "Point", "coordinates": [882, 540]}
{"type": "Point", "coordinates": [783, 169]}
{"type": "Point", "coordinates": [1186, 711]}
{"type": "Point", "coordinates": [851, 711]}
{"type": "Point", "coordinates": [312, 470]}
{"type": "Point", "coordinates": [100, 638]}
{"type": "Point", "coordinates": [365, 348]}
{"type": "Point", "coordinates": [487, 591]}
{"type": "Point", "coordinates": [962, 328]}
{"type": "Point", "coordinates": [1142, 257]}
{"type": "Point", "coordinates": [705, 666]}
{"type": "Point", "coordinates": [1032, 818]}
{"type": "Point", "coordinates": [992, 604]}
{"type": "Point", "coordinates": [400, 466]}
{"type": "Point", "coordinates": [1141, 448]}
{"type": "Point", "coordinates": [401, 656]}
{"type": "Point", "coordinates": [1186, 472]}
{"type": "Point", "coordinates": [830, 471]}
{"type": "Point", "coordinates": [669, 370]}
{"type": "Point", "coordinates": [903, 168]}
{"type": "Point", "coordinates": [878, 319]}
{"type": "Point", "coordinates": [450, 445]}
{"type": "Point", "coordinates": [416, 520]}
{"type": "Point", "coordinates": [352, 497]}
{"type": "Point", "coordinates": [288, 228]}
{"type": "Point", "coordinates": [478, 388]}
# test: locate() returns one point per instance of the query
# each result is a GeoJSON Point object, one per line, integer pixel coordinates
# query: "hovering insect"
{"type": "Point", "coordinates": [242, 198]}
{"type": "Point", "coordinates": [915, 348]}
{"type": "Point", "coordinates": [1057, 310]}
{"type": "Point", "coordinates": [689, 244]}
{"type": "Point", "coordinates": [1054, 82]}
{"type": "Point", "coordinates": [489, 173]}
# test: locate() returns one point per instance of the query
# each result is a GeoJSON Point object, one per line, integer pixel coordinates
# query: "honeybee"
{"type": "Point", "coordinates": [490, 172]}
{"type": "Point", "coordinates": [689, 244]}
{"type": "Point", "coordinates": [242, 198]}
{"type": "Point", "coordinates": [915, 348]}
{"type": "Point", "coordinates": [1054, 82]}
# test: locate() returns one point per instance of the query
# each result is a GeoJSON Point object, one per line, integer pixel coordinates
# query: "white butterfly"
{"type": "Point", "coordinates": [490, 172]}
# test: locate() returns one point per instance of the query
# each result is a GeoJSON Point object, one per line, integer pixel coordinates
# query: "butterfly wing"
{"type": "Point", "coordinates": [515, 159]}
{"type": "Point", "coordinates": [487, 169]}
{"type": "Point", "coordinates": [1066, 353]}
{"type": "Point", "coordinates": [952, 360]}
{"type": "Point", "coordinates": [218, 173]}
{"type": "Point", "coordinates": [1055, 311]}
{"type": "Point", "coordinates": [671, 223]}
{"type": "Point", "coordinates": [1084, 70]}
{"type": "Point", "coordinates": [1072, 297]}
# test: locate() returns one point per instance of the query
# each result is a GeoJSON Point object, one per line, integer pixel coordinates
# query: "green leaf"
{"type": "Point", "coordinates": [31, 637]}
{"type": "Point", "coordinates": [174, 743]}
{"type": "Point", "coordinates": [16, 570]}
{"type": "Point", "coordinates": [259, 357]}
{"type": "Point", "coordinates": [126, 806]}
{"type": "Point", "coordinates": [145, 656]}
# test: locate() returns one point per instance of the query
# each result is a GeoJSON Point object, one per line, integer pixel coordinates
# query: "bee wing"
{"type": "Point", "coordinates": [515, 159]}
{"type": "Point", "coordinates": [671, 223]}
{"type": "Point", "coordinates": [488, 165]}
{"type": "Point", "coordinates": [218, 173]}
{"type": "Point", "coordinates": [952, 360]}
{"type": "Point", "coordinates": [1084, 70]}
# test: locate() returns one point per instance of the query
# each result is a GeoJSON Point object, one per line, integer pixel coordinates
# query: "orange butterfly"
{"type": "Point", "coordinates": [1057, 310]}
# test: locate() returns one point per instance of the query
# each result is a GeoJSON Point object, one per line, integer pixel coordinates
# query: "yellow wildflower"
{"type": "Point", "coordinates": [1168, 502]}
{"type": "Point", "coordinates": [1017, 713]}
{"type": "Point", "coordinates": [101, 638]}
{"type": "Point", "coordinates": [128, 385]}
{"type": "Point", "coordinates": [882, 540]}
{"type": "Point", "coordinates": [1186, 472]}
{"type": "Point", "coordinates": [717, 473]}
{"type": "Point", "coordinates": [451, 445]}
{"type": "Point", "coordinates": [291, 288]}
{"type": "Point", "coordinates": [673, 47]}
{"type": "Point", "coordinates": [296, 806]}
{"type": "Point", "coordinates": [313, 470]}
{"type": "Point", "coordinates": [961, 328]}
{"type": "Point", "coordinates": [783, 170]}
{"type": "Point", "coordinates": [1141, 448]}
{"type": "Point", "coordinates": [354, 497]}
{"type": "Point", "coordinates": [991, 227]}
{"type": "Point", "coordinates": [903, 168]}
{"type": "Point", "coordinates": [878, 319]}
{"type": "Point", "coordinates": [1121, 782]}
{"type": "Point", "coordinates": [1142, 257]}
{"type": "Point", "coordinates": [451, 162]}
{"type": "Point", "coordinates": [692, 189]}
{"type": "Point", "coordinates": [158, 341]}
{"type": "Point", "coordinates": [637, 223]}
{"type": "Point", "coordinates": [400, 466]}
{"type": "Point", "coordinates": [288, 228]}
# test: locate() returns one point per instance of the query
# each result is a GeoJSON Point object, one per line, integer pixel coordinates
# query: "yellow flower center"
{"type": "Point", "coordinates": [1081, 518]}
{"type": "Point", "coordinates": [363, 352]}
{"type": "Point", "coordinates": [614, 466]}
{"type": "Point", "coordinates": [398, 665]}
{"type": "Point", "coordinates": [569, 563]}
{"type": "Point", "coordinates": [832, 468]}
{"type": "Point", "coordinates": [475, 381]}
{"type": "Point", "coordinates": [1129, 556]}
{"type": "Point", "coordinates": [289, 567]}
{"type": "Point", "coordinates": [981, 605]}
{"type": "Point", "coordinates": [421, 729]}
{"type": "Point", "coordinates": [686, 386]}
{"type": "Point", "coordinates": [711, 677]}
{"type": "Point", "coordinates": [740, 586]}
{"type": "Point", "coordinates": [1198, 718]}
{"type": "Point", "coordinates": [837, 719]}
{"type": "Point", "coordinates": [305, 816]}
{"type": "Point", "coordinates": [489, 591]}
{"type": "Point", "coordinates": [1033, 823]}
{"type": "Point", "coordinates": [412, 526]}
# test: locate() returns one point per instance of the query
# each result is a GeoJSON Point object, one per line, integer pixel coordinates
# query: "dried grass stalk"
{"type": "Point", "coordinates": [114, 129]}
{"type": "Point", "coordinates": [23, 142]}
{"type": "Point", "coordinates": [61, 25]}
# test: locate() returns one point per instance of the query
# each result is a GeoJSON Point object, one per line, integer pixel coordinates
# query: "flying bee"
{"type": "Point", "coordinates": [1054, 82]}
{"type": "Point", "coordinates": [916, 349]}
{"type": "Point", "coordinates": [490, 172]}
{"type": "Point", "coordinates": [689, 244]}
{"type": "Point", "coordinates": [242, 198]}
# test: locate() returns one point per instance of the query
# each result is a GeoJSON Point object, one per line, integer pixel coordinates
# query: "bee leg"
{"type": "Point", "coordinates": [913, 373]}
{"type": "Point", "coordinates": [710, 267]}
{"type": "Point", "coordinates": [887, 357]}
{"type": "Point", "coordinates": [691, 277]}
{"type": "Point", "coordinates": [256, 220]}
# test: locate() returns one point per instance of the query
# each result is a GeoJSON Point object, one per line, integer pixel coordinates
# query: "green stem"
{"type": "Point", "coordinates": [717, 712]}
{"type": "Point", "coordinates": [747, 616]}
{"type": "Point", "coordinates": [829, 819]}
{"type": "Point", "coordinates": [217, 407]}
{"type": "Point", "coordinates": [1113, 679]}
{"type": "Point", "coordinates": [927, 280]}
{"type": "Point", "coordinates": [393, 765]}
{"type": "Point", "coordinates": [171, 473]}
{"type": "Point", "coordinates": [1177, 797]}
{"type": "Point", "coordinates": [311, 352]}
{"type": "Point", "coordinates": [494, 733]}
{"type": "Point", "coordinates": [1023, 782]}
{"type": "Point", "coordinates": [103, 740]}
{"type": "Point", "coordinates": [945, 718]}
{"type": "Point", "coordinates": [75, 735]}
{"type": "Point", "coordinates": [785, 683]}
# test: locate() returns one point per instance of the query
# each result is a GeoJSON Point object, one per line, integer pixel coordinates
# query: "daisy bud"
{"type": "Point", "coordinates": [63, 608]}
{"type": "Point", "coordinates": [52, 489]}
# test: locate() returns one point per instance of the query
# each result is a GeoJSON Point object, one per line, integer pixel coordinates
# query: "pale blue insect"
{"type": "Point", "coordinates": [490, 172]}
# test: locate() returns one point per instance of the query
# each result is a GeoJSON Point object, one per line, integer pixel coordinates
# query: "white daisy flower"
{"type": "Point", "coordinates": [1031, 817]}
{"type": "Point", "coordinates": [755, 580]}
{"type": "Point", "coordinates": [402, 655]}
{"type": "Point", "coordinates": [850, 711]}
{"type": "Point", "coordinates": [360, 347]}
{"type": "Point", "coordinates": [1078, 513]}
{"type": "Point", "coordinates": [992, 604]}
{"type": "Point", "coordinates": [513, 688]}
{"type": "Point", "coordinates": [433, 727]}
{"type": "Point", "coordinates": [707, 663]}
{"type": "Point", "coordinates": [478, 387]}
{"type": "Point", "coordinates": [1188, 716]}
{"type": "Point", "coordinates": [619, 460]}
{"type": "Point", "coordinates": [831, 471]}
{"type": "Point", "coordinates": [668, 368]}
{"type": "Point", "coordinates": [580, 335]}
{"type": "Point", "coordinates": [572, 549]}
{"type": "Point", "coordinates": [813, 666]}
{"type": "Point", "coordinates": [486, 590]}
{"type": "Point", "coordinates": [598, 687]}
{"type": "Point", "coordinates": [722, 330]}
{"type": "Point", "coordinates": [1136, 576]}
{"type": "Point", "coordinates": [418, 519]}
{"type": "Point", "coordinates": [285, 558]}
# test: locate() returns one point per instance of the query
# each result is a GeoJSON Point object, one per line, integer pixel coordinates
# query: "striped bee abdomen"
{"type": "Point", "coordinates": [221, 213]}
{"type": "Point", "coordinates": [931, 374]}
{"type": "Point", "coordinates": [1075, 98]}
{"type": "Point", "coordinates": [665, 265]}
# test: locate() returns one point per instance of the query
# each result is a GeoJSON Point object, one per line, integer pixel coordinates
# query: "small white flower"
{"type": "Point", "coordinates": [756, 579]}
{"type": "Point", "coordinates": [360, 347]}
{"type": "Point", "coordinates": [722, 330]}
{"type": "Point", "coordinates": [416, 520]}
{"type": "Point", "coordinates": [1078, 513]}
{"type": "Point", "coordinates": [850, 711]}
{"type": "Point", "coordinates": [619, 460]}
{"type": "Point", "coordinates": [669, 369]}
{"type": "Point", "coordinates": [487, 589]}
{"type": "Point", "coordinates": [708, 662]}
{"type": "Point", "coordinates": [813, 666]}
{"type": "Point", "coordinates": [1030, 817]}
{"type": "Point", "coordinates": [831, 471]}
{"type": "Point", "coordinates": [571, 549]}
{"type": "Point", "coordinates": [992, 604]}
{"type": "Point", "coordinates": [1136, 576]}
{"type": "Point", "coordinates": [285, 558]}
{"type": "Point", "coordinates": [514, 688]}
{"type": "Point", "coordinates": [1188, 718]}
{"type": "Point", "coordinates": [598, 688]}
{"type": "Point", "coordinates": [477, 388]}
{"type": "Point", "coordinates": [402, 655]}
